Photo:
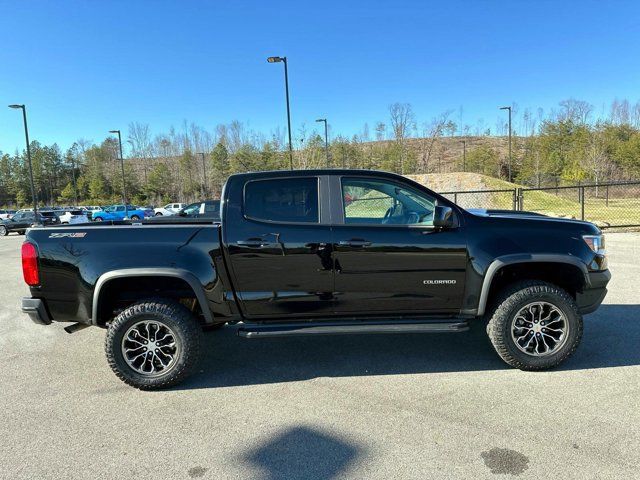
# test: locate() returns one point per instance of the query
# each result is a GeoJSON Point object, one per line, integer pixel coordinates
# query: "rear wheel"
{"type": "Point", "coordinates": [135, 217]}
{"type": "Point", "coordinates": [535, 325]}
{"type": "Point", "coordinates": [153, 344]}
{"type": "Point", "coordinates": [3, 231]}
{"type": "Point", "coordinates": [158, 214]}
{"type": "Point", "coordinates": [98, 219]}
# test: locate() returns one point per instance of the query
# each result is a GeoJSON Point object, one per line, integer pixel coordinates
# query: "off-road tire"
{"type": "Point", "coordinates": [509, 303]}
{"type": "Point", "coordinates": [179, 319]}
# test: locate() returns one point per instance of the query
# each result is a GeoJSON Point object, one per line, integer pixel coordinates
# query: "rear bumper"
{"type": "Point", "coordinates": [592, 296]}
{"type": "Point", "coordinates": [35, 308]}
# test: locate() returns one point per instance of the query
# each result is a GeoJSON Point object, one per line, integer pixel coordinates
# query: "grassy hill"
{"type": "Point", "coordinates": [447, 152]}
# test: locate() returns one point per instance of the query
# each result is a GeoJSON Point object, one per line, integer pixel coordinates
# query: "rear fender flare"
{"type": "Point", "coordinates": [503, 261]}
{"type": "Point", "coordinates": [185, 275]}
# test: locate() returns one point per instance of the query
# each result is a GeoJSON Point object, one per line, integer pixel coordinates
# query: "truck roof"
{"type": "Point", "coordinates": [317, 171]}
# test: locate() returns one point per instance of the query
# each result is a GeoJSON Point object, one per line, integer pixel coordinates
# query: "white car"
{"type": "Point", "coordinates": [6, 214]}
{"type": "Point", "coordinates": [74, 216]}
{"type": "Point", "coordinates": [168, 209]}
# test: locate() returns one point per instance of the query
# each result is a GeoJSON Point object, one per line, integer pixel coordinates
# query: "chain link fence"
{"type": "Point", "coordinates": [608, 205]}
{"type": "Point", "coordinates": [495, 199]}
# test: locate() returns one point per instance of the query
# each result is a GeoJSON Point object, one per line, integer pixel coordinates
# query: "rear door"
{"type": "Point", "coordinates": [278, 240]}
{"type": "Point", "coordinates": [389, 259]}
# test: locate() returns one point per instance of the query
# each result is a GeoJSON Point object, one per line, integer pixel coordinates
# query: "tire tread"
{"type": "Point", "coordinates": [183, 319]}
{"type": "Point", "coordinates": [507, 300]}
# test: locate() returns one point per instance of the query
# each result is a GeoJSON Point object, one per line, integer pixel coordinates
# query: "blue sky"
{"type": "Point", "coordinates": [85, 67]}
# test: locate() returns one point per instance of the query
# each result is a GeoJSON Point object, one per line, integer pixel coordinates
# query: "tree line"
{"type": "Point", "coordinates": [569, 144]}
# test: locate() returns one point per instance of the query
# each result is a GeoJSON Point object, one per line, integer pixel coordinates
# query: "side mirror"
{"type": "Point", "coordinates": [443, 217]}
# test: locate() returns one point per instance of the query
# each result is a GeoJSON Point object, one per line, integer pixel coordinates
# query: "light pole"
{"type": "Point", "coordinates": [124, 188]}
{"type": "Point", "coordinates": [326, 138]}
{"type": "Point", "coordinates": [204, 177]}
{"type": "Point", "coordinates": [464, 155]}
{"type": "Point", "coordinates": [26, 135]}
{"type": "Point", "coordinates": [286, 87]}
{"type": "Point", "coordinates": [509, 108]}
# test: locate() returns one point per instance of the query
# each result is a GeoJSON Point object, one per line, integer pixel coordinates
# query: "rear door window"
{"type": "Point", "coordinates": [289, 200]}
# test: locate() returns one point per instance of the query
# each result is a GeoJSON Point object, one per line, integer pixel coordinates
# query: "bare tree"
{"type": "Point", "coordinates": [381, 131]}
{"type": "Point", "coordinates": [595, 160]}
{"type": "Point", "coordinates": [402, 121]}
{"type": "Point", "coordinates": [140, 141]}
{"type": "Point", "coordinates": [577, 111]}
{"type": "Point", "coordinates": [635, 115]}
{"type": "Point", "coordinates": [432, 131]}
{"type": "Point", "coordinates": [619, 114]}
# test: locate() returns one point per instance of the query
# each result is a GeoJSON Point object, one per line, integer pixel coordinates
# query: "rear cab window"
{"type": "Point", "coordinates": [282, 200]}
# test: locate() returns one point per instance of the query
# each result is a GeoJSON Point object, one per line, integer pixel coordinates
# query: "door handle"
{"type": "Point", "coordinates": [252, 243]}
{"type": "Point", "coordinates": [354, 242]}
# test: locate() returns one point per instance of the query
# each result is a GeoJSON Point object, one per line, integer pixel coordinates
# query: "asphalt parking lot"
{"type": "Point", "coordinates": [374, 407]}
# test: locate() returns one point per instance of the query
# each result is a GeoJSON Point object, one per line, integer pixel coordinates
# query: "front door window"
{"type": "Point", "coordinates": [379, 202]}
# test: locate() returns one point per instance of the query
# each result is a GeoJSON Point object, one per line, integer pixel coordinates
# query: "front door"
{"type": "Point", "coordinates": [389, 259]}
{"type": "Point", "coordinates": [22, 221]}
{"type": "Point", "coordinates": [278, 240]}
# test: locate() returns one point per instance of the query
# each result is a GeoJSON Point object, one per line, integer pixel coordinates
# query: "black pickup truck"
{"type": "Point", "coordinates": [318, 252]}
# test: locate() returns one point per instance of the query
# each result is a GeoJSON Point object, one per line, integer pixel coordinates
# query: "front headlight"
{"type": "Point", "coordinates": [595, 243]}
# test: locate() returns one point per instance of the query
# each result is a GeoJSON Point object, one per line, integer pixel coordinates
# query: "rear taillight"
{"type": "Point", "coordinates": [30, 264]}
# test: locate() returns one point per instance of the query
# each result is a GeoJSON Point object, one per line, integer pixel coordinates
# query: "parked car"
{"type": "Point", "coordinates": [21, 221]}
{"type": "Point", "coordinates": [290, 257]}
{"type": "Point", "coordinates": [169, 209]}
{"type": "Point", "coordinates": [118, 212]}
{"type": "Point", "coordinates": [148, 210]}
{"type": "Point", "coordinates": [74, 216]}
{"type": "Point", "coordinates": [205, 209]}
{"type": "Point", "coordinates": [5, 214]}
{"type": "Point", "coordinates": [92, 209]}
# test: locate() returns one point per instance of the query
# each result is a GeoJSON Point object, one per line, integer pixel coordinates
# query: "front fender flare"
{"type": "Point", "coordinates": [500, 262]}
{"type": "Point", "coordinates": [185, 275]}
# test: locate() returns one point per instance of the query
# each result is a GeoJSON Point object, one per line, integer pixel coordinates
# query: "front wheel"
{"type": "Point", "coordinates": [153, 344]}
{"type": "Point", "coordinates": [3, 231]}
{"type": "Point", "coordinates": [98, 219]}
{"type": "Point", "coordinates": [135, 218]}
{"type": "Point", "coordinates": [535, 325]}
{"type": "Point", "coordinates": [159, 214]}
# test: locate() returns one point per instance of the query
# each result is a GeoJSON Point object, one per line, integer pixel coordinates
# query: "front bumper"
{"type": "Point", "coordinates": [35, 308]}
{"type": "Point", "coordinates": [593, 294]}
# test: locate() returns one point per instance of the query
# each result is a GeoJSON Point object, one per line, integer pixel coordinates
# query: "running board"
{"type": "Point", "coordinates": [341, 328]}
